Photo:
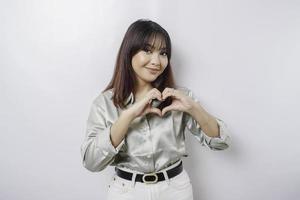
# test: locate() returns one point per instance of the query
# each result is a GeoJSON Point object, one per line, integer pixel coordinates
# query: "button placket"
{"type": "Point", "coordinates": [145, 125]}
{"type": "Point", "coordinates": [150, 155]}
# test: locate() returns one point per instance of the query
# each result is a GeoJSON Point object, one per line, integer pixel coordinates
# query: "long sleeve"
{"type": "Point", "coordinates": [213, 143]}
{"type": "Point", "coordinates": [97, 151]}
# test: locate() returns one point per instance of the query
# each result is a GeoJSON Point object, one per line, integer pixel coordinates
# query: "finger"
{"type": "Point", "coordinates": [149, 95]}
{"type": "Point", "coordinates": [158, 95]}
{"type": "Point", "coordinates": [156, 111]}
{"type": "Point", "coordinates": [165, 91]}
{"type": "Point", "coordinates": [155, 95]}
{"type": "Point", "coordinates": [152, 96]}
{"type": "Point", "coordinates": [166, 109]}
{"type": "Point", "coordinates": [170, 93]}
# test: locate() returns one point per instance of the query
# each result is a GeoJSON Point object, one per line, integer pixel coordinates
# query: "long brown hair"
{"type": "Point", "coordinates": [136, 38]}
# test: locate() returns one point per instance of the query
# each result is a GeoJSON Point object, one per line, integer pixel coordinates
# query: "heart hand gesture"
{"type": "Point", "coordinates": [180, 101]}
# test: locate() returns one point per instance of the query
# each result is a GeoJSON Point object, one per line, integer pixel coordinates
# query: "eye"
{"type": "Point", "coordinates": [164, 53]}
{"type": "Point", "coordinates": [147, 50]}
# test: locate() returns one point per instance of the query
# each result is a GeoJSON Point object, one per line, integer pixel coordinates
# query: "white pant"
{"type": "Point", "coordinates": [178, 187]}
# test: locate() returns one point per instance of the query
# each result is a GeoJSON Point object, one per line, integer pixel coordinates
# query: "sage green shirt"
{"type": "Point", "coordinates": [152, 142]}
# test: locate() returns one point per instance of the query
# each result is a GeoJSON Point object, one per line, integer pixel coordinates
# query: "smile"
{"type": "Point", "coordinates": [153, 70]}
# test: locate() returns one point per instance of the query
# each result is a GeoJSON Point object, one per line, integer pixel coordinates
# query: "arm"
{"type": "Point", "coordinates": [206, 121]}
{"type": "Point", "coordinates": [103, 139]}
{"type": "Point", "coordinates": [209, 131]}
{"type": "Point", "coordinates": [120, 127]}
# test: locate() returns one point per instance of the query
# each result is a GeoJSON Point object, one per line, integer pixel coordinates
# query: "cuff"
{"type": "Point", "coordinates": [222, 141]}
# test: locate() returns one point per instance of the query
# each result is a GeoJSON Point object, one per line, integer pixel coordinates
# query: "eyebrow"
{"type": "Point", "coordinates": [152, 47]}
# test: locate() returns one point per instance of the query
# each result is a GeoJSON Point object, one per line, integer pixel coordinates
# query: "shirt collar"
{"type": "Point", "coordinates": [129, 99]}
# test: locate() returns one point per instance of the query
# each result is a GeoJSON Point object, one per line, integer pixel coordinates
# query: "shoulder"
{"type": "Point", "coordinates": [104, 98]}
{"type": "Point", "coordinates": [184, 89]}
{"type": "Point", "coordinates": [188, 92]}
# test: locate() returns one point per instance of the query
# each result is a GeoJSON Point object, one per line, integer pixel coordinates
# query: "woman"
{"type": "Point", "coordinates": [138, 123]}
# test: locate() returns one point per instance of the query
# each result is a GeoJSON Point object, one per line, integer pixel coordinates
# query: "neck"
{"type": "Point", "coordinates": [142, 86]}
{"type": "Point", "coordinates": [142, 89]}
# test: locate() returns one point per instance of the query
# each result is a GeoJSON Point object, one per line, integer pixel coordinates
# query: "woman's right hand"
{"type": "Point", "coordinates": [144, 107]}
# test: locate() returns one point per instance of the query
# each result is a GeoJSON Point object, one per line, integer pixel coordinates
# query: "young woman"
{"type": "Point", "coordinates": [138, 123]}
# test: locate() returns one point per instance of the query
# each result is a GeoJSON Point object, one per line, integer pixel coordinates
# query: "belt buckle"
{"type": "Point", "coordinates": [150, 182]}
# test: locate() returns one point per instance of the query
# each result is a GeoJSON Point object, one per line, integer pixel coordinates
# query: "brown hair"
{"type": "Point", "coordinates": [136, 38]}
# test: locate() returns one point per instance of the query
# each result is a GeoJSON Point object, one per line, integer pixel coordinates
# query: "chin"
{"type": "Point", "coordinates": [151, 80]}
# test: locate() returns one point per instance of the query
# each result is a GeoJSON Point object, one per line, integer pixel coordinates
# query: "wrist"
{"type": "Point", "coordinates": [194, 108]}
{"type": "Point", "coordinates": [127, 114]}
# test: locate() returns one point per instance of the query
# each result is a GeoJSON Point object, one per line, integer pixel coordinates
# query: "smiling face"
{"type": "Point", "coordinates": [149, 62]}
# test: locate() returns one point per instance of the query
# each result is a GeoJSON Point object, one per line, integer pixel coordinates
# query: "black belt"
{"type": "Point", "coordinates": [152, 177]}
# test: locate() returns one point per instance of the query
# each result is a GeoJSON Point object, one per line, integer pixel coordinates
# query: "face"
{"type": "Point", "coordinates": [150, 62]}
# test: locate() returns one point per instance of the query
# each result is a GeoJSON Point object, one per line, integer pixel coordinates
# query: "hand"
{"type": "Point", "coordinates": [180, 101]}
{"type": "Point", "coordinates": [144, 107]}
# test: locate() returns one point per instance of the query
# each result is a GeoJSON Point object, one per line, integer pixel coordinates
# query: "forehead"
{"type": "Point", "coordinates": [157, 42]}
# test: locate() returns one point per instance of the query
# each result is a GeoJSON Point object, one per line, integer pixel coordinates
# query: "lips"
{"type": "Point", "coordinates": [153, 69]}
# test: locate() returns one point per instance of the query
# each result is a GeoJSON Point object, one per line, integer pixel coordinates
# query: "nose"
{"type": "Point", "coordinates": [155, 59]}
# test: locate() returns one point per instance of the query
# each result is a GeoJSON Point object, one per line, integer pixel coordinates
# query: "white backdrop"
{"type": "Point", "coordinates": [241, 59]}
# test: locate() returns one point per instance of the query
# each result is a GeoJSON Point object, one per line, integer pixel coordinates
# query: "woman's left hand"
{"type": "Point", "coordinates": [180, 101]}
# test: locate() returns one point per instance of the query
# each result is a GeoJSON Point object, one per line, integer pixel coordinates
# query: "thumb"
{"type": "Point", "coordinates": [166, 109]}
{"type": "Point", "coordinates": [155, 110]}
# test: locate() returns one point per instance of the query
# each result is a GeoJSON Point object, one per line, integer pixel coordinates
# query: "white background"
{"type": "Point", "coordinates": [241, 59]}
